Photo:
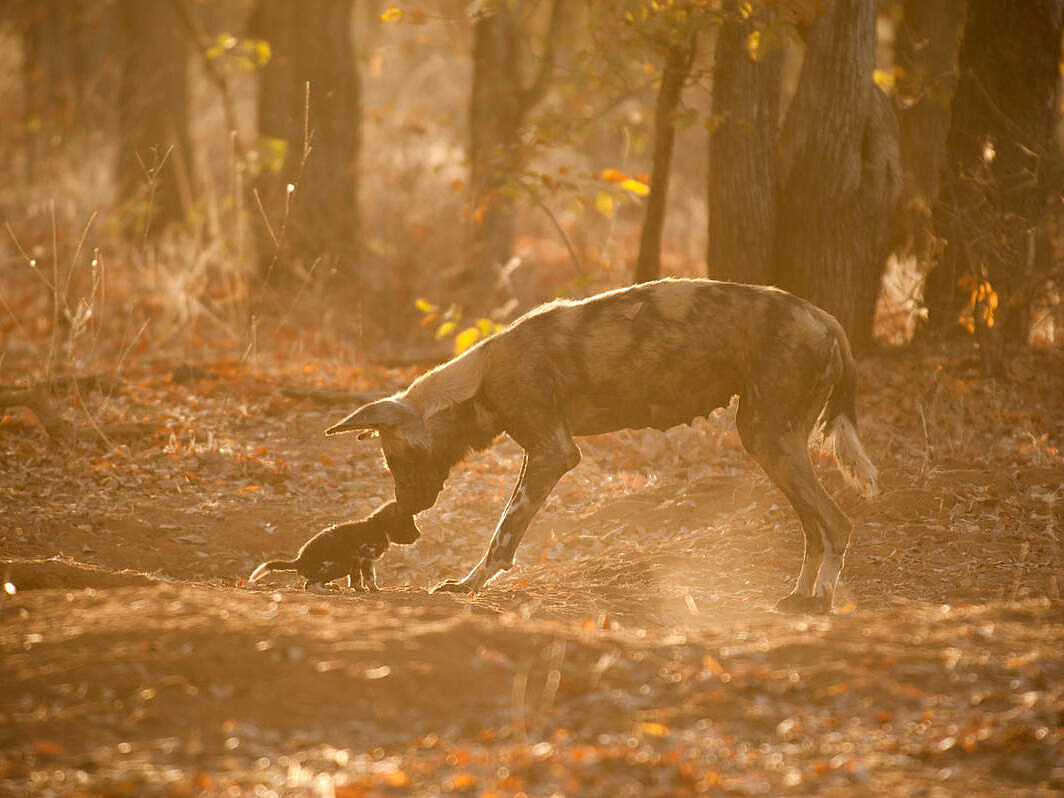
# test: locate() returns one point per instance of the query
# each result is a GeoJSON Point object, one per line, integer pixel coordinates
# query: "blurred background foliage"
{"type": "Point", "coordinates": [214, 167]}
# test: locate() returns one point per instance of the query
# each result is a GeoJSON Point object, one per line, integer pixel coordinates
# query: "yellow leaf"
{"type": "Point", "coordinates": [652, 729]}
{"type": "Point", "coordinates": [424, 305]}
{"type": "Point", "coordinates": [445, 329]}
{"type": "Point", "coordinates": [635, 186]}
{"type": "Point", "coordinates": [262, 51]}
{"type": "Point", "coordinates": [884, 78]}
{"type": "Point", "coordinates": [753, 45]}
{"type": "Point", "coordinates": [604, 203]}
{"type": "Point", "coordinates": [392, 14]}
{"type": "Point", "coordinates": [465, 339]}
{"type": "Point", "coordinates": [486, 327]}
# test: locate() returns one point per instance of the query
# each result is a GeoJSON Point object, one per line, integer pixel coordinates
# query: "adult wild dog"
{"type": "Point", "coordinates": [652, 355]}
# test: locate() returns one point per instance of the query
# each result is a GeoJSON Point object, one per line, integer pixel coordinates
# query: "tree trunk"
{"type": "Point", "coordinates": [678, 62]}
{"type": "Point", "coordinates": [499, 105]}
{"type": "Point", "coordinates": [925, 57]}
{"type": "Point", "coordinates": [1001, 164]}
{"type": "Point", "coordinates": [55, 72]}
{"type": "Point", "coordinates": [318, 221]}
{"type": "Point", "coordinates": [496, 152]}
{"type": "Point", "coordinates": [154, 150]}
{"type": "Point", "coordinates": [742, 154]}
{"type": "Point", "coordinates": [839, 172]}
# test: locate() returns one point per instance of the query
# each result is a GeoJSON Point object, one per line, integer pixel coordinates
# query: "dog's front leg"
{"type": "Point", "coordinates": [540, 472]}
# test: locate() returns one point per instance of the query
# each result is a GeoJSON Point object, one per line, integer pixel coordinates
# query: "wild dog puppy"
{"type": "Point", "coordinates": [652, 355]}
{"type": "Point", "coordinates": [347, 549]}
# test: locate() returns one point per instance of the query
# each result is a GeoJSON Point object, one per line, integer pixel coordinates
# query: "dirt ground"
{"type": "Point", "coordinates": [632, 652]}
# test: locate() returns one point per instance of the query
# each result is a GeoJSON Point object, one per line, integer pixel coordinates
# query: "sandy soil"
{"type": "Point", "coordinates": [633, 651]}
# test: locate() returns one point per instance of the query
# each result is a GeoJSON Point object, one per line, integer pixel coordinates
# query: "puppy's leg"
{"type": "Point", "coordinates": [368, 574]}
{"type": "Point", "coordinates": [543, 466]}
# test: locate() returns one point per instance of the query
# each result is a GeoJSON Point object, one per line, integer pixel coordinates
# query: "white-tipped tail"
{"type": "Point", "coordinates": [259, 572]}
{"type": "Point", "coordinates": [841, 439]}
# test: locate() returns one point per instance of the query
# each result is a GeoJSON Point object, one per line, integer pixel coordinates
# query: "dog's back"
{"type": "Point", "coordinates": [661, 353]}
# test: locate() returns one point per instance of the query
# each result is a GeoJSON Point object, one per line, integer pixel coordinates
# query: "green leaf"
{"type": "Point", "coordinates": [272, 153]}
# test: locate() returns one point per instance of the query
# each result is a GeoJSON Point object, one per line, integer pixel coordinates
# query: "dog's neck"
{"type": "Point", "coordinates": [464, 427]}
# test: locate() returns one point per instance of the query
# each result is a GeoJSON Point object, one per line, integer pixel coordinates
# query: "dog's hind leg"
{"type": "Point", "coordinates": [544, 464]}
{"type": "Point", "coordinates": [784, 455]}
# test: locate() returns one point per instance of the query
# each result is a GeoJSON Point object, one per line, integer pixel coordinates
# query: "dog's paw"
{"type": "Point", "coordinates": [811, 605]}
{"type": "Point", "coordinates": [453, 586]}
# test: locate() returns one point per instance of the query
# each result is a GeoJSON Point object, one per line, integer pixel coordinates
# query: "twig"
{"type": "Point", "coordinates": [53, 344]}
{"type": "Point", "coordinates": [152, 175]}
{"type": "Point", "coordinates": [122, 357]}
{"type": "Point", "coordinates": [561, 231]}
{"type": "Point", "coordinates": [92, 421]}
{"type": "Point", "coordinates": [30, 261]}
{"type": "Point", "coordinates": [265, 219]}
{"type": "Point", "coordinates": [307, 147]}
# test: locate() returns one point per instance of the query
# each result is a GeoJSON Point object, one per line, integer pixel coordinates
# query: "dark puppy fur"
{"type": "Point", "coordinates": [347, 549]}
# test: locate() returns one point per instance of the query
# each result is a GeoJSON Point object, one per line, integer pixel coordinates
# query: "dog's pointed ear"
{"type": "Point", "coordinates": [389, 412]}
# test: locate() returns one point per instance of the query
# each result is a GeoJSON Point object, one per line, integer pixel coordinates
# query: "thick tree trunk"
{"type": "Point", "coordinates": [1001, 163]}
{"type": "Point", "coordinates": [318, 221]}
{"type": "Point", "coordinates": [500, 102]}
{"type": "Point", "coordinates": [742, 155]}
{"type": "Point", "coordinates": [154, 150]}
{"type": "Point", "coordinates": [496, 152]}
{"type": "Point", "coordinates": [839, 172]}
{"type": "Point", "coordinates": [55, 72]}
{"type": "Point", "coordinates": [925, 57]}
{"type": "Point", "coordinates": [678, 62]}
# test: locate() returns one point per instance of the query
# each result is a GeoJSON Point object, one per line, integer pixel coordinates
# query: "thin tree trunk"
{"type": "Point", "coordinates": [154, 149]}
{"type": "Point", "coordinates": [678, 62]}
{"type": "Point", "coordinates": [1001, 165]}
{"type": "Point", "coordinates": [839, 172]}
{"type": "Point", "coordinates": [742, 155]}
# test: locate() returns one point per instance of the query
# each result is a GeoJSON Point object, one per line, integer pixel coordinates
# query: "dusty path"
{"type": "Point", "coordinates": [633, 652]}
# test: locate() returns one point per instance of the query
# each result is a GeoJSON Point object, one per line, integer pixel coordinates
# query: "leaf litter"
{"type": "Point", "coordinates": [632, 652]}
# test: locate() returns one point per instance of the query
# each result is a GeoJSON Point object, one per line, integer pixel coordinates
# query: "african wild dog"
{"type": "Point", "coordinates": [347, 549]}
{"type": "Point", "coordinates": [652, 355]}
